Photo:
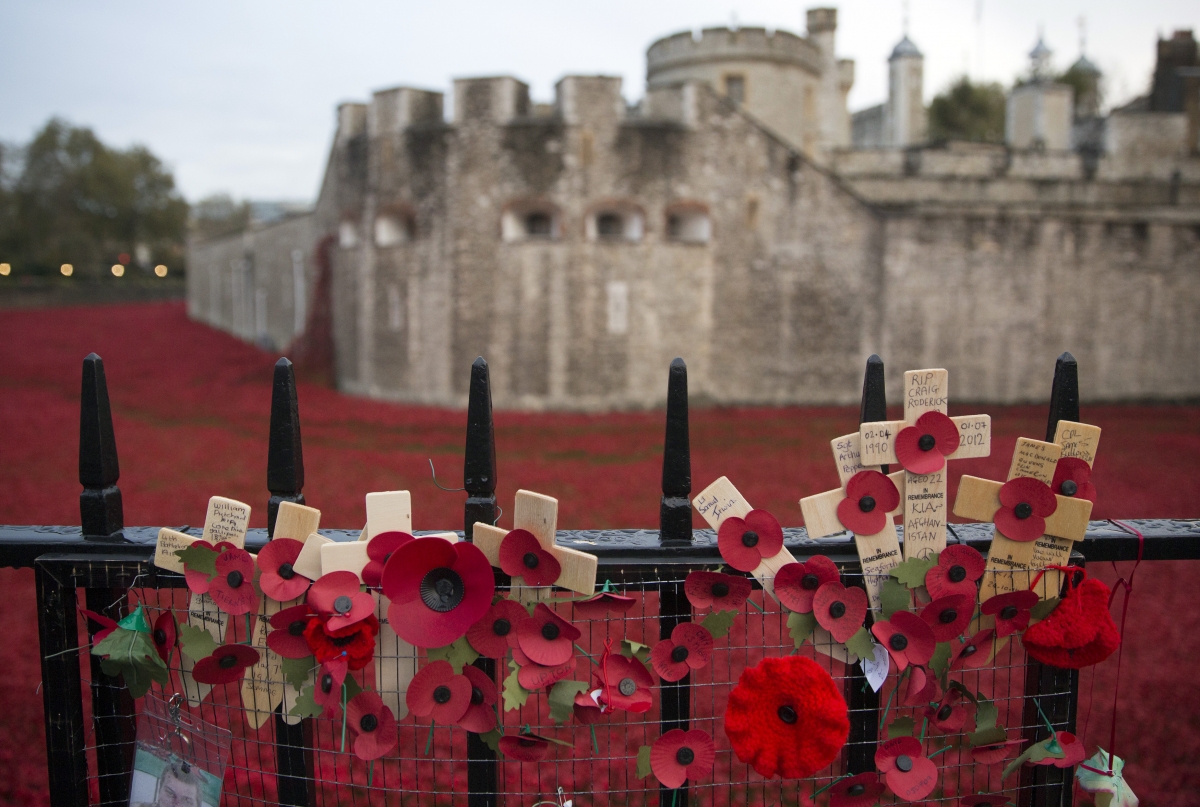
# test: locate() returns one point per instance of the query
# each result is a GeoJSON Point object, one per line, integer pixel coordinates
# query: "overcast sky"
{"type": "Point", "coordinates": [239, 97]}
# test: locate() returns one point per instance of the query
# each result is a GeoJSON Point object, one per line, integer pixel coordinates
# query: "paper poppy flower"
{"type": "Point", "coordinates": [355, 643]}
{"type": "Point", "coordinates": [491, 635]}
{"type": "Point", "coordinates": [840, 610]}
{"type": "Point", "coordinates": [438, 590]}
{"type": "Point", "coordinates": [922, 448]}
{"type": "Point", "coordinates": [604, 603]}
{"type": "Point", "coordinates": [744, 542]}
{"type": "Point", "coordinates": [949, 616]}
{"type": "Point", "coordinates": [435, 691]}
{"type": "Point", "coordinates": [533, 676]}
{"type": "Point", "coordinates": [379, 550]}
{"type": "Point", "coordinates": [1011, 611]}
{"type": "Point", "coordinates": [922, 688]}
{"type": "Point", "coordinates": [786, 717]}
{"type": "Point", "coordinates": [521, 555]}
{"type": "Point", "coordinates": [480, 717]}
{"type": "Point", "coordinates": [165, 633]}
{"type": "Point", "coordinates": [796, 583]}
{"type": "Point", "coordinates": [524, 747]}
{"type": "Point", "coordinates": [907, 638]}
{"type": "Point", "coordinates": [106, 624]}
{"type": "Point", "coordinates": [679, 755]}
{"type": "Point", "coordinates": [720, 592]}
{"type": "Point", "coordinates": [277, 579]}
{"type": "Point", "coordinates": [863, 790]}
{"type": "Point", "coordinates": [910, 774]}
{"type": "Point", "coordinates": [627, 684]}
{"type": "Point", "coordinates": [689, 648]}
{"type": "Point", "coordinates": [373, 725]}
{"type": "Point", "coordinates": [225, 665]}
{"type": "Point", "coordinates": [287, 637]}
{"type": "Point", "coordinates": [546, 637]}
{"type": "Point", "coordinates": [958, 568]}
{"type": "Point", "coordinates": [328, 690]}
{"type": "Point", "coordinates": [974, 653]}
{"type": "Point", "coordinates": [339, 600]}
{"type": "Point", "coordinates": [1024, 505]}
{"type": "Point", "coordinates": [982, 800]}
{"type": "Point", "coordinates": [198, 581]}
{"type": "Point", "coordinates": [870, 496]}
{"type": "Point", "coordinates": [588, 709]}
{"type": "Point", "coordinates": [992, 753]}
{"type": "Point", "coordinates": [1074, 751]}
{"type": "Point", "coordinates": [949, 715]}
{"type": "Point", "coordinates": [1073, 478]}
{"type": "Point", "coordinates": [233, 588]}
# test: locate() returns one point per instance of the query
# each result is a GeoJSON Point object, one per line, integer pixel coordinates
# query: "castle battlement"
{"type": "Point", "coordinates": [732, 44]}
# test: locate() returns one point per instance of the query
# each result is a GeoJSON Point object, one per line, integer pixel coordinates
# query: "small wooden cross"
{"type": "Point", "coordinates": [924, 495]}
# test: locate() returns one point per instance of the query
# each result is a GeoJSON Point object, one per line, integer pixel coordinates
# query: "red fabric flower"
{"type": "Point", "coordinates": [438, 590]}
{"type": "Point", "coordinates": [982, 800]}
{"type": "Point", "coordinates": [1073, 478]}
{"type": "Point", "coordinates": [958, 568]}
{"type": "Point", "coordinates": [525, 747]}
{"type": "Point", "coordinates": [910, 774]}
{"type": "Point", "coordinates": [689, 648]}
{"type": "Point", "coordinates": [949, 715]}
{"type": "Point", "coordinates": [907, 638]}
{"type": "Point", "coordinates": [165, 634]}
{"type": "Point", "coordinates": [627, 684]}
{"type": "Point", "coordinates": [949, 616]}
{"type": "Point", "coordinates": [492, 635]}
{"type": "Point", "coordinates": [796, 583]}
{"type": "Point", "coordinates": [355, 643]}
{"type": "Point", "coordinates": [521, 555]}
{"type": "Point", "coordinates": [435, 691]}
{"type": "Point", "coordinates": [373, 725]}
{"type": "Point", "coordinates": [106, 624]}
{"type": "Point", "coordinates": [1024, 504]}
{"type": "Point", "coordinates": [840, 610]}
{"type": "Point", "coordinates": [1074, 751]}
{"type": "Point", "coordinates": [288, 639]}
{"type": "Point", "coordinates": [225, 665]}
{"type": "Point", "coordinates": [786, 717]}
{"type": "Point", "coordinates": [533, 676]}
{"type": "Point", "coordinates": [328, 690]}
{"type": "Point", "coordinates": [480, 717]}
{"type": "Point", "coordinates": [974, 653]}
{"type": "Point", "coordinates": [604, 603]}
{"type": "Point", "coordinates": [679, 755]}
{"type": "Point", "coordinates": [870, 496]}
{"type": "Point", "coordinates": [547, 638]}
{"type": "Point", "coordinates": [1078, 633]}
{"type": "Point", "coordinates": [1011, 611]}
{"type": "Point", "coordinates": [994, 752]}
{"type": "Point", "coordinates": [277, 579]}
{"type": "Point", "coordinates": [922, 688]}
{"type": "Point", "coordinates": [856, 791]}
{"type": "Point", "coordinates": [720, 592]}
{"type": "Point", "coordinates": [923, 448]}
{"type": "Point", "coordinates": [745, 542]}
{"type": "Point", "coordinates": [233, 588]}
{"type": "Point", "coordinates": [338, 599]}
{"type": "Point", "coordinates": [379, 551]}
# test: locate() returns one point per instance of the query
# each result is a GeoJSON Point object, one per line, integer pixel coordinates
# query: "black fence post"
{"type": "Point", "coordinates": [675, 529]}
{"type": "Point", "coordinates": [285, 481]}
{"type": "Point", "coordinates": [479, 479]}
{"type": "Point", "coordinates": [62, 696]}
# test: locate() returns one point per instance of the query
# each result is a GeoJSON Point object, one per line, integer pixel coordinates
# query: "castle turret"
{"type": "Point", "coordinates": [1040, 110]}
{"type": "Point", "coordinates": [904, 113]}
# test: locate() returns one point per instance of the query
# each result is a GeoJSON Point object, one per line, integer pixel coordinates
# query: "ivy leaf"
{"type": "Point", "coordinates": [800, 626]}
{"type": "Point", "coordinates": [986, 715]}
{"type": "Point", "coordinates": [305, 705]}
{"type": "Point", "coordinates": [940, 662]}
{"type": "Point", "coordinates": [127, 647]}
{"type": "Point", "coordinates": [901, 727]}
{"type": "Point", "coordinates": [1043, 609]}
{"type": "Point", "coordinates": [894, 596]}
{"type": "Point", "coordinates": [912, 571]}
{"type": "Point", "coordinates": [562, 699]}
{"type": "Point", "coordinates": [861, 644]}
{"type": "Point", "coordinates": [196, 643]}
{"type": "Point", "coordinates": [492, 739]}
{"type": "Point", "coordinates": [296, 670]}
{"type": "Point", "coordinates": [199, 558]}
{"type": "Point", "coordinates": [643, 762]}
{"type": "Point", "coordinates": [719, 623]}
{"type": "Point", "coordinates": [352, 687]}
{"type": "Point", "coordinates": [632, 649]}
{"type": "Point", "coordinates": [459, 653]}
{"type": "Point", "coordinates": [1111, 791]}
{"type": "Point", "coordinates": [1035, 753]}
{"type": "Point", "coordinates": [989, 736]}
{"type": "Point", "coordinates": [515, 695]}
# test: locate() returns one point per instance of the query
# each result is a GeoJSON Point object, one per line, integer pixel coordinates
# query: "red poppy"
{"type": "Point", "coordinates": [974, 653]}
{"type": "Point", "coordinates": [373, 725]}
{"type": "Point", "coordinates": [745, 542]}
{"type": "Point", "coordinates": [604, 603]}
{"type": "Point", "coordinates": [379, 550]}
{"type": "Point", "coordinates": [165, 634]}
{"type": "Point", "coordinates": [587, 708]}
{"type": "Point", "coordinates": [1024, 505]}
{"type": "Point", "coordinates": [679, 755]}
{"type": "Point", "coordinates": [521, 555]}
{"type": "Point", "coordinates": [958, 568]}
{"type": "Point", "coordinates": [840, 610]}
{"type": "Point", "coordinates": [197, 581]}
{"type": "Point", "coordinates": [949, 715]}
{"type": "Point", "coordinates": [225, 665]}
{"type": "Point", "coordinates": [1073, 478]}
{"type": "Point", "coordinates": [491, 635]}
{"type": "Point", "coordinates": [856, 791]}
{"type": "Point", "coordinates": [870, 496]}
{"type": "Point", "coordinates": [994, 752]}
{"type": "Point", "coordinates": [438, 590]}
{"type": "Point", "coordinates": [233, 588]}
{"type": "Point", "coordinates": [923, 448]}
{"type": "Point", "coordinates": [786, 717]}
{"type": "Point", "coordinates": [627, 684]}
{"type": "Point", "coordinates": [949, 616]}
{"type": "Point", "coordinates": [1074, 751]}
{"type": "Point", "coordinates": [1011, 611]}
{"type": "Point", "coordinates": [339, 600]}
{"type": "Point", "coordinates": [689, 648]}
{"type": "Point", "coordinates": [546, 638]}
{"type": "Point", "coordinates": [356, 643]}
{"type": "Point", "coordinates": [287, 639]}
{"type": "Point", "coordinates": [480, 717]}
{"type": "Point", "coordinates": [525, 747]}
{"type": "Point", "coordinates": [910, 774]}
{"type": "Point", "coordinates": [278, 580]}
{"type": "Point", "coordinates": [106, 624]}
{"type": "Point", "coordinates": [328, 690]}
{"type": "Point", "coordinates": [435, 691]}
{"type": "Point", "coordinates": [982, 800]}
{"type": "Point", "coordinates": [533, 676]}
{"type": "Point", "coordinates": [907, 638]}
{"type": "Point", "coordinates": [796, 583]}
{"type": "Point", "coordinates": [1079, 632]}
{"type": "Point", "coordinates": [922, 688]}
{"type": "Point", "coordinates": [720, 592]}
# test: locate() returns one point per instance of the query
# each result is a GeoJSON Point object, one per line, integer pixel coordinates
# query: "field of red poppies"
{"type": "Point", "coordinates": [191, 407]}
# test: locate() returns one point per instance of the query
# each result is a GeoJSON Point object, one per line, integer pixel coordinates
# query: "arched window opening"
{"type": "Point", "coordinates": [530, 221]}
{"type": "Point", "coordinates": [394, 228]}
{"type": "Point", "coordinates": [689, 225]}
{"type": "Point", "coordinates": [617, 223]}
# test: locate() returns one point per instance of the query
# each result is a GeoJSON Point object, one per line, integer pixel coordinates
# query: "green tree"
{"type": "Point", "coordinates": [968, 111]}
{"type": "Point", "coordinates": [218, 215]}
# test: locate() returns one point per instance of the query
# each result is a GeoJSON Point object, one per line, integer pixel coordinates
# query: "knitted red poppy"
{"type": "Point", "coordinates": [796, 583]}
{"type": "Point", "coordinates": [870, 496]}
{"type": "Point", "coordinates": [786, 717]}
{"type": "Point", "coordinates": [745, 542]}
{"type": "Point", "coordinates": [923, 447]}
{"type": "Point", "coordinates": [1080, 631]}
{"type": "Point", "coordinates": [1073, 478]}
{"type": "Point", "coordinates": [356, 643]}
{"type": "Point", "coordinates": [720, 592]}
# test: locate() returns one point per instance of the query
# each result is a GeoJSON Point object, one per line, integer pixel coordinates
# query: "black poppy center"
{"type": "Point", "coordinates": [342, 641]}
{"type": "Point", "coordinates": [1069, 488]}
{"type": "Point", "coordinates": [442, 589]}
{"type": "Point", "coordinates": [685, 756]}
{"type": "Point", "coordinates": [160, 636]}
{"type": "Point", "coordinates": [297, 627]}
{"type": "Point", "coordinates": [904, 763]}
{"type": "Point", "coordinates": [969, 650]}
{"type": "Point", "coordinates": [530, 560]}
{"type": "Point", "coordinates": [810, 582]}
{"type": "Point", "coordinates": [927, 442]}
{"type": "Point", "coordinates": [234, 578]}
{"type": "Point", "coordinates": [550, 631]}
{"type": "Point", "coordinates": [720, 589]}
{"type": "Point", "coordinates": [368, 723]}
{"type": "Point", "coordinates": [837, 609]}
{"type": "Point", "coordinates": [787, 714]}
{"type": "Point", "coordinates": [501, 627]}
{"type": "Point", "coordinates": [866, 504]}
{"type": "Point", "coordinates": [680, 653]}
{"type": "Point", "coordinates": [749, 538]}
{"type": "Point", "coordinates": [286, 571]}
{"type": "Point", "coordinates": [343, 604]}
{"type": "Point", "coordinates": [856, 789]}
{"type": "Point", "coordinates": [898, 642]}
{"type": "Point", "coordinates": [327, 683]}
{"type": "Point", "coordinates": [627, 687]}
{"type": "Point", "coordinates": [228, 662]}
{"type": "Point", "coordinates": [947, 616]}
{"type": "Point", "coordinates": [1009, 612]}
{"type": "Point", "coordinates": [945, 712]}
{"type": "Point", "coordinates": [442, 694]}
{"type": "Point", "coordinates": [957, 573]}
{"type": "Point", "coordinates": [527, 742]}
{"type": "Point", "coordinates": [476, 695]}
{"type": "Point", "coordinates": [1023, 510]}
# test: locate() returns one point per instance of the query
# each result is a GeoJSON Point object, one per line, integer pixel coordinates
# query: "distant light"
{"type": "Point", "coordinates": [66, 269]}
{"type": "Point", "coordinates": [5, 269]}
{"type": "Point", "coordinates": [118, 270]}
{"type": "Point", "coordinates": [123, 257]}
{"type": "Point", "coordinates": [160, 270]}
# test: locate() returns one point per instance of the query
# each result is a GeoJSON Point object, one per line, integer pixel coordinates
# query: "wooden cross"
{"type": "Point", "coordinates": [924, 495]}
